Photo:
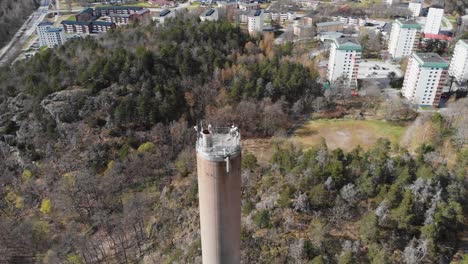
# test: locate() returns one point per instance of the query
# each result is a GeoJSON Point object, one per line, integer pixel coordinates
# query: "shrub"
{"type": "Point", "coordinates": [147, 147]}
{"type": "Point", "coordinates": [286, 195]}
{"type": "Point", "coordinates": [249, 161]}
{"type": "Point", "coordinates": [46, 206]}
{"type": "Point", "coordinates": [74, 259]}
{"type": "Point", "coordinates": [26, 175]}
{"type": "Point", "coordinates": [262, 219]}
{"type": "Point", "coordinates": [317, 260]}
{"type": "Point", "coordinates": [248, 207]}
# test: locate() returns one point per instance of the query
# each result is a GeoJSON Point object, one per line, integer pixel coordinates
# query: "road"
{"type": "Point", "coordinates": [11, 50]}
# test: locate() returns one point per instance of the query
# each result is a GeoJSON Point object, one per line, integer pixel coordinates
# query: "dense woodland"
{"type": "Point", "coordinates": [13, 13]}
{"type": "Point", "coordinates": [97, 161]}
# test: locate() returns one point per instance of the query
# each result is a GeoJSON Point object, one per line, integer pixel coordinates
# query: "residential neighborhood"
{"type": "Point", "coordinates": [400, 39]}
{"type": "Point", "coordinates": [234, 131]}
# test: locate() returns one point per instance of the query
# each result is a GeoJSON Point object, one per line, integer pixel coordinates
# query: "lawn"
{"type": "Point", "coordinates": [346, 133]}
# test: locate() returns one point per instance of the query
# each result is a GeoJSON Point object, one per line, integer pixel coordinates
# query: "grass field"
{"type": "Point", "coordinates": [347, 134]}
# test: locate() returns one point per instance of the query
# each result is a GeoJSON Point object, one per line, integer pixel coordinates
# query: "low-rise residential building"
{"type": "Point", "coordinates": [345, 56]}
{"type": "Point", "coordinates": [307, 21]}
{"type": "Point", "coordinates": [119, 19]}
{"type": "Point", "coordinates": [303, 31]}
{"type": "Point", "coordinates": [79, 27]}
{"type": "Point", "coordinates": [308, 3]}
{"type": "Point", "coordinates": [228, 5]}
{"type": "Point", "coordinates": [404, 38]}
{"type": "Point", "coordinates": [163, 16]}
{"type": "Point", "coordinates": [102, 26]}
{"type": "Point", "coordinates": [433, 20]}
{"type": "Point", "coordinates": [352, 21]}
{"type": "Point", "coordinates": [255, 22]}
{"type": "Point", "coordinates": [459, 63]}
{"type": "Point", "coordinates": [210, 15]}
{"type": "Point", "coordinates": [281, 17]}
{"type": "Point", "coordinates": [110, 10]}
{"type": "Point", "coordinates": [415, 8]}
{"type": "Point", "coordinates": [330, 26]}
{"type": "Point", "coordinates": [425, 78]}
{"type": "Point", "coordinates": [125, 19]}
{"type": "Point", "coordinates": [248, 6]}
{"type": "Point", "coordinates": [49, 35]}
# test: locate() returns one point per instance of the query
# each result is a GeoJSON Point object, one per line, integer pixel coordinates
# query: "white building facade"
{"type": "Point", "coordinates": [404, 38]}
{"type": "Point", "coordinates": [345, 55]}
{"type": "Point", "coordinates": [425, 78]}
{"type": "Point", "coordinates": [49, 35]}
{"type": "Point", "coordinates": [255, 22]}
{"type": "Point", "coordinates": [459, 63]}
{"type": "Point", "coordinates": [415, 8]}
{"type": "Point", "coordinates": [433, 20]}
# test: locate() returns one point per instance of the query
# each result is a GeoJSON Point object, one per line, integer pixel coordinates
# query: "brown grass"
{"type": "Point", "coordinates": [347, 134]}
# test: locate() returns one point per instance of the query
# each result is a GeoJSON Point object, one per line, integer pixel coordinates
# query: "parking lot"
{"type": "Point", "coordinates": [373, 69]}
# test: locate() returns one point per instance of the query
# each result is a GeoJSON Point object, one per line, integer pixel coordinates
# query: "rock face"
{"type": "Point", "coordinates": [65, 105]}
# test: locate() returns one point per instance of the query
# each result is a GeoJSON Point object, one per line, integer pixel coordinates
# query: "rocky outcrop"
{"type": "Point", "coordinates": [64, 106]}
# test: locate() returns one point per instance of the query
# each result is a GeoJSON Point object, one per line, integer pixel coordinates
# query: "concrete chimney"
{"type": "Point", "coordinates": [219, 194]}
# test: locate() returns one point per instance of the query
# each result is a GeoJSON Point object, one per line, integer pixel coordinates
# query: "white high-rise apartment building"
{"type": "Point", "coordinates": [415, 8]}
{"type": "Point", "coordinates": [459, 63]}
{"type": "Point", "coordinates": [345, 55]}
{"type": "Point", "coordinates": [425, 78]}
{"type": "Point", "coordinates": [404, 38]}
{"type": "Point", "coordinates": [255, 22]}
{"type": "Point", "coordinates": [49, 35]}
{"type": "Point", "coordinates": [433, 20]}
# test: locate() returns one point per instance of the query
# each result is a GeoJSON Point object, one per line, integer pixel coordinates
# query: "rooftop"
{"type": "Point", "coordinates": [119, 7]}
{"type": "Point", "coordinates": [216, 144]}
{"type": "Point", "coordinates": [164, 12]}
{"type": "Point", "coordinates": [45, 23]}
{"type": "Point", "coordinates": [142, 11]}
{"type": "Point", "coordinates": [71, 22]}
{"type": "Point", "coordinates": [86, 10]}
{"type": "Point", "coordinates": [347, 44]}
{"type": "Point", "coordinates": [254, 13]}
{"type": "Point", "coordinates": [408, 23]}
{"type": "Point", "coordinates": [209, 12]}
{"type": "Point", "coordinates": [248, 4]}
{"type": "Point", "coordinates": [430, 60]}
{"type": "Point", "coordinates": [331, 23]}
{"type": "Point", "coordinates": [54, 29]}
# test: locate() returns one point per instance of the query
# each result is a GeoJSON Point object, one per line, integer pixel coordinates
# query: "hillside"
{"type": "Point", "coordinates": [97, 158]}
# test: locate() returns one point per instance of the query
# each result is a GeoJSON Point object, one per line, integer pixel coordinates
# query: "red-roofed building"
{"type": "Point", "coordinates": [437, 36]}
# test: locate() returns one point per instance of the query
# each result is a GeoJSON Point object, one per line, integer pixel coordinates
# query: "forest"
{"type": "Point", "coordinates": [97, 158]}
{"type": "Point", "coordinates": [13, 13]}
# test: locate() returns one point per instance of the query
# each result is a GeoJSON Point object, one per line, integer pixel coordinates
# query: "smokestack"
{"type": "Point", "coordinates": [219, 194]}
